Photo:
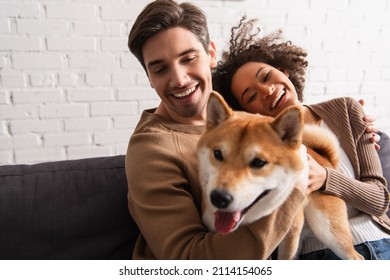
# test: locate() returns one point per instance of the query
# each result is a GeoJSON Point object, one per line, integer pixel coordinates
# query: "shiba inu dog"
{"type": "Point", "coordinates": [249, 165]}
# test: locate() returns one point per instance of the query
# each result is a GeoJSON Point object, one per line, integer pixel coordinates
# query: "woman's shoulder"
{"type": "Point", "coordinates": [344, 103]}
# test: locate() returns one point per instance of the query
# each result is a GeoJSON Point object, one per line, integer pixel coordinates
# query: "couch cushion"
{"type": "Point", "coordinates": [384, 155]}
{"type": "Point", "coordinates": [74, 209]}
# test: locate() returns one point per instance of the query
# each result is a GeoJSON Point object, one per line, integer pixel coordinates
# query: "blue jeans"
{"type": "Point", "coordinates": [370, 250]}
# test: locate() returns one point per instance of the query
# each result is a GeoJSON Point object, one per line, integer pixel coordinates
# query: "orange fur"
{"type": "Point", "coordinates": [249, 164]}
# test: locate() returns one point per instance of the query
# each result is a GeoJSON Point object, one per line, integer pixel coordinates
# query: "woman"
{"type": "Point", "coordinates": [266, 75]}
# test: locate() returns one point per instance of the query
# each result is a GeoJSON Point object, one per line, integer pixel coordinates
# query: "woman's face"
{"type": "Point", "coordinates": [261, 88]}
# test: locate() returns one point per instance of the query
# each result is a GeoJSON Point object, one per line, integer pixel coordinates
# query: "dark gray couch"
{"type": "Point", "coordinates": [75, 209]}
{"type": "Point", "coordinates": [384, 154]}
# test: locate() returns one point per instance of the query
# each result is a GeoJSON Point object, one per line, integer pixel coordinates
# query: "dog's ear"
{"type": "Point", "coordinates": [289, 125]}
{"type": "Point", "coordinates": [217, 110]}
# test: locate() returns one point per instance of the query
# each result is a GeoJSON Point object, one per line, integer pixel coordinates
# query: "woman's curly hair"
{"type": "Point", "coordinates": [246, 46]}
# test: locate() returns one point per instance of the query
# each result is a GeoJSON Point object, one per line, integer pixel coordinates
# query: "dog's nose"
{"type": "Point", "coordinates": [220, 199]}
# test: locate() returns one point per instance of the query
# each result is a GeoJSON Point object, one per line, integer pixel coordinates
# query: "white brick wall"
{"type": "Point", "coordinates": [69, 88]}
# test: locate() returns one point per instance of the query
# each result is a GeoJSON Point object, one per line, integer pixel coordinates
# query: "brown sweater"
{"type": "Point", "coordinates": [368, 193]}
{"type": "Point", "coordinates": [165, 197]}
{"type": "Point", "coordinates": [165, 200]}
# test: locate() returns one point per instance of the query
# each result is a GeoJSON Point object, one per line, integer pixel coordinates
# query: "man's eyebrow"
{"type": "Point", "coordinates": [160, 61]}
{"type": "Point", "coordinates": [247, 89]}
{"type": "Point", "coordinates": [191, 50]}
{"type": "Point", "coordinates": [154, 62]}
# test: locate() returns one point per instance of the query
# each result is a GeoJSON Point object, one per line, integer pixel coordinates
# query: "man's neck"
{"type": "Point", "coordinates": [197, 120]}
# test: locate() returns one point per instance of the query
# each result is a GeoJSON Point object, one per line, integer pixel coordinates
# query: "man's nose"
{"type": "Point", "coordinates": [179, 77]}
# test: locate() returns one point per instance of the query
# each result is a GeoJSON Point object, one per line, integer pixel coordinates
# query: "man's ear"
{"type": "Point", "coordinates": [213, 54]}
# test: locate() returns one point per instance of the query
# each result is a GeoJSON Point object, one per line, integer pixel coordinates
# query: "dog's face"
{"type": "Point", "coordinates": [248, 164]}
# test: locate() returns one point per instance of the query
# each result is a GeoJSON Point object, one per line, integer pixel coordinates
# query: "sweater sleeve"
{"type": "Point", "coordinates": [368, 191]}
{"type": "Point", "coordinates": [169, 219]}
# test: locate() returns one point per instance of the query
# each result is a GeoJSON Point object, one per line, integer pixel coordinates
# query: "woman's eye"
{"type": "Point", "coordinates": [252, 97]}
{"type": "Point", "coordinates": [266, 77]}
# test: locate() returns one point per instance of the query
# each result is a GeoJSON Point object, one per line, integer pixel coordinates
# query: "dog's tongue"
{"type": "Point", "coordinates": [224, 222]}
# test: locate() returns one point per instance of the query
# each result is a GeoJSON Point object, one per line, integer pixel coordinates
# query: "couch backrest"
{"type": "Point", "coordinates": [75, 209]}
{"type": "Point", "coordinates": [384, 155]}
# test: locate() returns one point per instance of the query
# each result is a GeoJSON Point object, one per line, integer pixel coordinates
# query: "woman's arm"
{"type": "Point", "coordinates": [368, 191]}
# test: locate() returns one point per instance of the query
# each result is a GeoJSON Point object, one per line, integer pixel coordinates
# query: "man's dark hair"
{"type": "Point", "coordinates": [161, 15]}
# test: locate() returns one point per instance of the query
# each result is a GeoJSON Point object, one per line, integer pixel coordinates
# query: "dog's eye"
{"type": "Point", "coordinates": [218, 155]}
{"type": "Point", "coordinates": [257, 163]}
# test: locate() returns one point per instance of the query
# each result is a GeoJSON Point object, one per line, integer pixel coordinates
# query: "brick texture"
{"type": "Point", "coordinates": [69, 88]}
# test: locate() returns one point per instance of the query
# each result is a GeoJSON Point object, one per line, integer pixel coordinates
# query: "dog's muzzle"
{"type": "Point", "coordinates": [221, 199]}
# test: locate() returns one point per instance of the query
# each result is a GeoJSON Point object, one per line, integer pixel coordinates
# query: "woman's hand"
{"type": "Point", "coordinates": [371, 128]}
{"type": "Point", "coordinates": [317, 175]}
{"type": "Point", "coordinates": [303, 182]}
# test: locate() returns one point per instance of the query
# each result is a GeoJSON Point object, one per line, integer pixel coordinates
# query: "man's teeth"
{"type": "Point", "coordinates": [277, 98]}
{"type": "Point", "coordinates": [184, 93]}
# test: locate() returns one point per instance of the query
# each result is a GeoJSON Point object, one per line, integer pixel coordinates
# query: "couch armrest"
{"type": "Point", "coordinates": [75, 209]}
{"type": "Point", "coordinates": [384, 155]}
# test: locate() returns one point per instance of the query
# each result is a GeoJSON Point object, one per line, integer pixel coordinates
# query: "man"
{"type": "Point", "coordinates": [172, 43]}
